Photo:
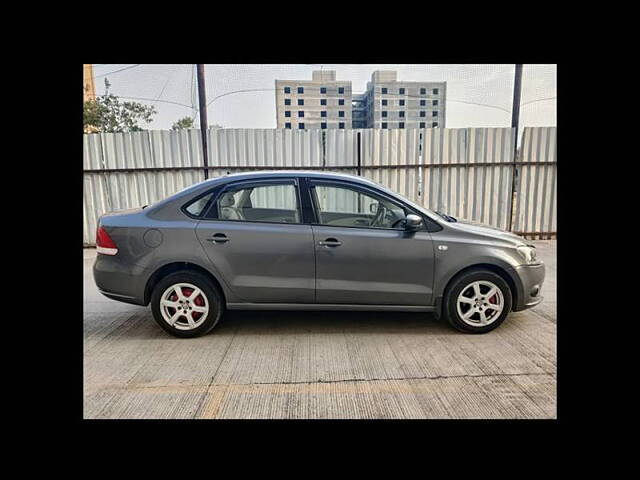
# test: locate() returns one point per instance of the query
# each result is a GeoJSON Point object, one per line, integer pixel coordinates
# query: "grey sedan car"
{"type": "Point", "coordinates": [309, 241]}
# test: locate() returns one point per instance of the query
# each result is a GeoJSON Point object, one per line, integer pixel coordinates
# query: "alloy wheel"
{"type": "Point", "coordinates": [480, 303]}
{"type": "Point", "coordinates": [184, 306]}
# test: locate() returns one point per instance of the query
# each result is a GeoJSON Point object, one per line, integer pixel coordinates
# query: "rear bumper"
{"type": "Point", "coordinates": [529, 285]}
{"type": "Point", "coordinates": [120, 281]}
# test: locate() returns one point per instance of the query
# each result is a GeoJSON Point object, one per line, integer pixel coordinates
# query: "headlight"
{"type": "Point", "coordinates": [528, 253]}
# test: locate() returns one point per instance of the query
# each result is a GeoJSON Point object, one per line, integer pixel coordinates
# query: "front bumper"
{"type": "Point", "coordinates": [529, 280]}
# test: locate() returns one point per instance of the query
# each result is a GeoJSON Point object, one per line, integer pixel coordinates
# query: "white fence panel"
{"type": "Point", "coordinates": [536, 191]}
{"type": "Point", "coordinates": [466, 173]}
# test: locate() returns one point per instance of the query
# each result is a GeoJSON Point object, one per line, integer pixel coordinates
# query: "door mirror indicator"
{"type": "Point", "coordinates": [413, 223]}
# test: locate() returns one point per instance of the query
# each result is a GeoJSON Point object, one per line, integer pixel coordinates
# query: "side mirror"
{"type": "Point", "coordinates": [413, 223]}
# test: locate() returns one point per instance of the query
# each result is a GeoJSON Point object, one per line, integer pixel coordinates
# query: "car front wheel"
{"type": "Point", "coordinates": [186, 304]}
{"type": "Point", "coordinates": [477, 301]}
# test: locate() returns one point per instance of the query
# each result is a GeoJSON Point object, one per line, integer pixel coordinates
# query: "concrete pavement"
{"type": "Point", "coordinates": [357, 365]}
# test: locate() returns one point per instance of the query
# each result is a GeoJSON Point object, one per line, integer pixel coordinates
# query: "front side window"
{"type": "Point", "coordinates": [341, 206]}
{"type": "Point", "coordinates": [259, 203]}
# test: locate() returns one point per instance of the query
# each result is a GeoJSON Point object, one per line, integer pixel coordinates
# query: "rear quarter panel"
{"type": "Point", "coordinates": [149, 240]}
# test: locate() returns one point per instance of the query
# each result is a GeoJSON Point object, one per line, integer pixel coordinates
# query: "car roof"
{"type": "Point", "coordinates": [291, 173]}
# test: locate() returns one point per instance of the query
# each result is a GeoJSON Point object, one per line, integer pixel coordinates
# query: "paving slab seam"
{"type": "Point", "coordinates": [204, 395]}
{"type": "Point", "coordinates": [211, 384]}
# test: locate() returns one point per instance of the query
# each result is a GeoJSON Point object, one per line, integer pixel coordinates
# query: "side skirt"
{"type": "Point", "coordinates": [328, 306]}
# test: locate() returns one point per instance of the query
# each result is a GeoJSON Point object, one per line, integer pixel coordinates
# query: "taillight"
{"type": "Point", "coordinates": [104, 244]}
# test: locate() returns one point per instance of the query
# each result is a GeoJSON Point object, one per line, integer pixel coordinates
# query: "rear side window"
{"type": "Point", "coordinates": [260, 203]}
{"type": "Point", "coordinates": [196, 208]}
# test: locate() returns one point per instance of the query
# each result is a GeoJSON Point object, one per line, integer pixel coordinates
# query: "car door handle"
{"type": "Point", "coordinates": [330, 242]}
{"type": "Point", "coordinates": [218, 238]}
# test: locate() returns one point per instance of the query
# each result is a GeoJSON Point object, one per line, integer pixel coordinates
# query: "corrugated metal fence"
{"type": "Point", "coordinates": [464, 172]}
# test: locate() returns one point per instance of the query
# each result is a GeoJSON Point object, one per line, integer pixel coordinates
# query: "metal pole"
{"type": "Point", "coordinates": [203, 118]}
{"type": "Point", "coordinates": [359, 174]}
{"type": "Point", "coordinates": [517, 85]}
{"type": "Point", "coordinates": [359, 160]}
{"type": "Point", "coordinates": [515, 123]}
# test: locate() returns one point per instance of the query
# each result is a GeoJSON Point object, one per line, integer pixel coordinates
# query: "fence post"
{"type": "Point", "coordinates": [359, 159]}
{"type": "Point", "coordinates": [324, 149]}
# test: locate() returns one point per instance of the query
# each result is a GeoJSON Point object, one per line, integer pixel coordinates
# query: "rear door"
{"type": "Point", "coordinates": [363, 253]}
{"type": "Point", "coordinates": [253, 234]}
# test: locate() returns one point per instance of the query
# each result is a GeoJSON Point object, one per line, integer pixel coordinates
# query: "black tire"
{"type": "Point", "coordinates": [214, 298]}
{"type": "Point", "coordinates": [462, 282]}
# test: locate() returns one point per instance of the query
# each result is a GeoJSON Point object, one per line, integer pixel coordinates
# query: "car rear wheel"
{"type": "Point", "coordinates": [477, 301]}
{"type": "Point", "coordinates": [186, 304]}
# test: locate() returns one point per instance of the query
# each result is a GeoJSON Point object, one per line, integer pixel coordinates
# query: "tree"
{"type": "Point", "coordinates": [187, 122]}
{"type": "Point", "coordinates": [183, 123]}
{"type": "Point", "coordinates": [108, 114]}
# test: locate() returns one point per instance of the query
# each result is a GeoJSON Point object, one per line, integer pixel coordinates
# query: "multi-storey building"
{"type": "Point", "coordinates": [396, 104]}
{"type": "Point", "coordinates": [322, 102]}
{"type": "Point", "coordinates": [89, 89]}
{"type": "Point", "coordinates": [359, 110]}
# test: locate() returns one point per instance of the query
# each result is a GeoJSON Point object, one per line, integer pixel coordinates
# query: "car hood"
{"type": "Point", "coordinates": [487, 230]}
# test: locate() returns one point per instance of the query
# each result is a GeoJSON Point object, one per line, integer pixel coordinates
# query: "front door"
{"type": "Point", "coordinates": [255, 239]}
{"type": "Point", "coordinates": [363, 253]}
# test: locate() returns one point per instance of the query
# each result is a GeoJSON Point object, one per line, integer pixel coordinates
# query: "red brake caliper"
{"type": "Point", "coordinates": [494, 300]}
{"type": "Point", "coordinates": [173, 298]}
{"type": "Point", "coordinates": [198, 301]}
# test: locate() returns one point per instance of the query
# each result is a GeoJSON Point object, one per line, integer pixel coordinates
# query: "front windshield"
{"type": "Point", "coordinates": [412, 204]}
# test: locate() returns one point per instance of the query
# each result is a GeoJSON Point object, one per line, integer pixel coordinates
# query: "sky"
{"type": "Point", "coordinates": [478, 95]}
